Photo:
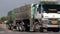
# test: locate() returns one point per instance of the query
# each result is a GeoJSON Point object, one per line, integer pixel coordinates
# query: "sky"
{"type": "Point", "coordinates": [7, 5]}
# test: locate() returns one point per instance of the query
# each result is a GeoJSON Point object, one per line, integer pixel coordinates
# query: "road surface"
{"type": "Point", "coordinates": [3, 30]}
{"type": "Point", "coordinates": [9, 32]}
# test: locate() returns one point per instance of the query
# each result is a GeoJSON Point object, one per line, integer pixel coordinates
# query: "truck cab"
{"type": "Point", "coordinates": [50, 16]}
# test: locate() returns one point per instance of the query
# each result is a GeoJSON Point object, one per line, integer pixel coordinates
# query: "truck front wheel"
{"type": "Point", "coordinates": [56, 30]}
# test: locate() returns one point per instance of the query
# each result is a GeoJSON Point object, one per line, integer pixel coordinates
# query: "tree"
{"type": "Point", "coordinates": [4, 18]}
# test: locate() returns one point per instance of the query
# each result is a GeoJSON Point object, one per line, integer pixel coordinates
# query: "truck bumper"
{"type": "Point", "coordinates": [51, 26]}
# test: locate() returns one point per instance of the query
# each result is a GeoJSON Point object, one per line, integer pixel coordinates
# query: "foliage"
{"type": "Point", "coordinates": [4, 18]}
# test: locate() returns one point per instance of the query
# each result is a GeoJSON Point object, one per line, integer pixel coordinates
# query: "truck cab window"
{"type": "Point", "coordinates": [39, 9]}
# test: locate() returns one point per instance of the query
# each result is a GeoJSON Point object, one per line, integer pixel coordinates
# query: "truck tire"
{"type": "Point", "coordinates": [44, 30]}
{"type": "Point", "coordinates": [41, 29]}
{"type": "Point", "coordinates": [36, 27]}
{"type": "Point", "coordinates": [10, 27]}
{"type": "Point", "coordinates": [20, 28]}
{"type": "Point", "coordinates": [56, 30]}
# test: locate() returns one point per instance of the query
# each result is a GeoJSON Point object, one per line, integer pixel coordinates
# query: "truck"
{"type": "Point", "coordinates": [20, 17]}
{"type": "Point", "coordinates": [44, 16]}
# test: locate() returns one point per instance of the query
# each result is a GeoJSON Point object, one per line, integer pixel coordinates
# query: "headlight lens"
{"type": "Point", "coordinates": [44, 19]}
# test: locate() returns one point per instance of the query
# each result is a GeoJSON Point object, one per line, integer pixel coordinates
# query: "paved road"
{"type": "Point", "coordinates": [9, 32]}
{"type": "Point", "coordinates": [14, 32]}
{"type": "Point", "coordinates": [4, 31]}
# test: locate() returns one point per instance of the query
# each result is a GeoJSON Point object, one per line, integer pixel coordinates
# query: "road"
{"type": "Point", "coordinates": [9, 32]}
{"type": "Point", "coordinates": [3, 30]}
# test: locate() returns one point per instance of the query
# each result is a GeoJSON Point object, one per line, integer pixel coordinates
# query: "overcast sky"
{"type": "Point", "coordinates": [7, 5]}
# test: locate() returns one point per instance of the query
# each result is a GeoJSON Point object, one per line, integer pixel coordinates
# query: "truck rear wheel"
{"type": "Point", "coordinates": [20, 28]}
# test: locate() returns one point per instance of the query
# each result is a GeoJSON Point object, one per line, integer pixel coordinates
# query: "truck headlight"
{"type": "Point", "coordinates": [45, 21]}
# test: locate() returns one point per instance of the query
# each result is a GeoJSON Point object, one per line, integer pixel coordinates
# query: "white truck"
{"type": "Point", "coordinates": [48, 15]}
{"type": "Point", "coordinates": [44, 16]}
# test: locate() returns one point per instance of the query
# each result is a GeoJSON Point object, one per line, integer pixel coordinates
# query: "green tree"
{"type": "Point", "coordinates": [4, 18]}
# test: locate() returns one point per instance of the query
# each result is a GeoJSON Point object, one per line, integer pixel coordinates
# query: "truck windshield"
{"type": "Point", "coordinates": [51, 8]}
